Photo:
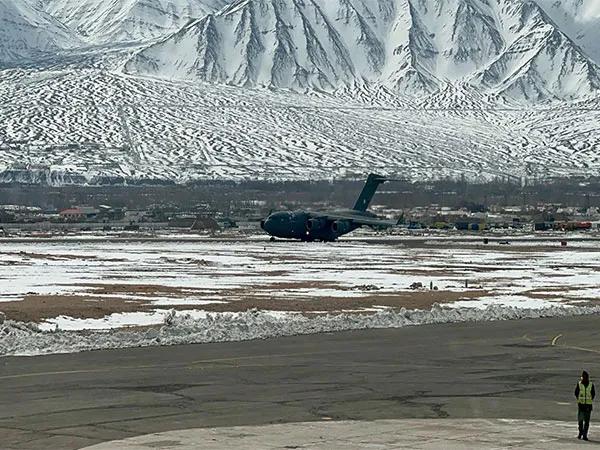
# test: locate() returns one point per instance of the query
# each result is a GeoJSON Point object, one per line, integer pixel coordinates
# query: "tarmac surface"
{"type": "Point", "coordinates": [444, 434]}
{"type": "Point", "coordinates": [524, 370]}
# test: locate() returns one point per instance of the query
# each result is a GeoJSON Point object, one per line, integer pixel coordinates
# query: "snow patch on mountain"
{"type": "Point", "coordinates": [77, 126]}
{"type": "Point", "coordinates": [297, 89]}
{"type": "Point", "coordinates": [27, 33]}
{"type": "Point", "coordinates": [580, 20]}
{"type": "Point", "coordinates": [541, 62]}
{"type": "Point", "coordinates": [508, 48]}
{"type": "Point", "coordinates": [101, 21]}
{"type": "Point", "coordinates": [290, 44]}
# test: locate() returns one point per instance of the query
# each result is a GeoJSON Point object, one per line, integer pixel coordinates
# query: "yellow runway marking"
{"type": "Point", "coordinates": [556, 338]}
{"type": "Point", "coordinates": [571, 347]}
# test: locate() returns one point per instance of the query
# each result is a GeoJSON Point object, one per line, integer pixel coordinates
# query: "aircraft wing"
{"type": "Point", "coordinates": [360, 220]}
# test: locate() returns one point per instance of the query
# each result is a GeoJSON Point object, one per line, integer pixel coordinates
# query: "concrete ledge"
{"type": "Point", "coordinates": [379, 434]}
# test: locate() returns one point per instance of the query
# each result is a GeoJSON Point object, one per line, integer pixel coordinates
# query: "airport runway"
{"type": "Point", "coordinates": [485, 370]}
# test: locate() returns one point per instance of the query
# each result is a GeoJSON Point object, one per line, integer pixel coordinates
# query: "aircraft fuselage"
{"type": "Point", "coordinates": [309, 226]}
{"type": "Point", "coordinates": [326, 225]}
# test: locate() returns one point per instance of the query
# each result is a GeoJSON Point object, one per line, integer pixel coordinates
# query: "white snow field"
{"type": "Point", "coordinates": [78, 126]}
{"type": "Point", "coordinates": [207, 291]}
{"type": "Point", "coordinates": [26, 33]}
{"type": "Point", "coordinates": [112, 91]}
{"type": "Point", "coordinates": [27, 339]}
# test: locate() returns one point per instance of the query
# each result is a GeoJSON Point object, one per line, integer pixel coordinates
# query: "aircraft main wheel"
{"type": "Point", "coordinates": [272, 239]}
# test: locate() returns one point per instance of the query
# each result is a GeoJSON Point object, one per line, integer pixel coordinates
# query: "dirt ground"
{"type": "Point", "coordinates": [96, 299]}
{"type": "Point", "coordinates": [59, 257]}
{"type": "Point", "coordinates": [36, 308]}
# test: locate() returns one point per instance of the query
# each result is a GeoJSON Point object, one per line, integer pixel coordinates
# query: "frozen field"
{"type": "Point", "coordinates": [68, 286]}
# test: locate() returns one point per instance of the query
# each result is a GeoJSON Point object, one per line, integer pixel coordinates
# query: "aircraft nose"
{"type": "Point", "coordinates": [266, 224]}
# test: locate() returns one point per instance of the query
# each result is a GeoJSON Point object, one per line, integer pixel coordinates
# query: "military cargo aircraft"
{"type": "Point", "coordinates": [328, 225]}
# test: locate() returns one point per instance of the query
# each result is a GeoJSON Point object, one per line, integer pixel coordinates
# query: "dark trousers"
{"type": "Point", "coordinates": [583, 417]}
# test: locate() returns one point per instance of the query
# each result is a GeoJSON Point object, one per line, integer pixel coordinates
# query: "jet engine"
{"type": "Point", "coordinates": [340, 226]}
{"type": "Point", "coordinates": [315, 224]}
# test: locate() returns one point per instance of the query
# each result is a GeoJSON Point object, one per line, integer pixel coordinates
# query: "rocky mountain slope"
{"type": "Point", "coordinates": [102, 21]}
{"type": "Point", "coordinates": [90, 126]}
{"type": "Point", "coordinates": [506, 48]}
{"type": "Point", "coordinates": [297, 89]}
{"type": "Point", "coordinates": [27, 33]}
{"type": "Point", "coordinates": [580, 20]}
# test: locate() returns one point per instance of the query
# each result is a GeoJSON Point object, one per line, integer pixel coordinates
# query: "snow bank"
{"type": "Point", "coordinates": [25, 339]}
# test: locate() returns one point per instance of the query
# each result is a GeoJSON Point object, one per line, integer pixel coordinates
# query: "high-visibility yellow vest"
{"type": "Point", "coordinates": [585, 394]}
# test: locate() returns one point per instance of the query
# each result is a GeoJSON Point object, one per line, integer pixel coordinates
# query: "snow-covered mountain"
{"type": "Point", "coordinates": [524, 50]}
{"type": "Point", "coordinates": [403, 86]}
{"type": "Point", "coordinates": [76, 126]}
{"type": "Point", "coordinates": [26, 33]}
{"type": "Point", "coordinates": [104, 21]}
{"type": "Point", "coordinates": [502, 47]}
{"type": "Point", "coordinates": [580, 20]}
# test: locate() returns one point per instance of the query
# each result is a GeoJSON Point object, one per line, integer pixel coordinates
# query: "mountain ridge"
{"type": "Point", "coordinates": [290, 89]}
{"type": "Point", "coordinates": [27, 33]}
{"type": "Point", "coordinates": [513, 50]}
{"type": "Point", "coordinates": [508, 50]}
{"type": "Point", "coordinates": [101, 22]}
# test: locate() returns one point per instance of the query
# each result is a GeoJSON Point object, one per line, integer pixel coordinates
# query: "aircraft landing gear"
{"type": "Point", "coordinates": [272, 239]}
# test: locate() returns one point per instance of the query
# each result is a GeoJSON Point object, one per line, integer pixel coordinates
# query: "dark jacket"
{"type": "Point", "coordinates": [585, 407]}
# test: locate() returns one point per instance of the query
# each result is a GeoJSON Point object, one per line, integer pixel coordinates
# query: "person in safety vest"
{"type": "Point", "coordinates": [584, 393]}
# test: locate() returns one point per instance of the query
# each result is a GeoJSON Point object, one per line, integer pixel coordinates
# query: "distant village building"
{"type": "Point", "coordinates": [205, 224]}
{"type": "Point", "coordinates": [71, 214]}
{"type": "Point", "coordinates": [182, 221]}
{"type": "Point", "coordinates": [6, 217]}
{"type": "Point", "coordinates": [134, 216]}
{"type": "Point", "coordinates": [80, 213]}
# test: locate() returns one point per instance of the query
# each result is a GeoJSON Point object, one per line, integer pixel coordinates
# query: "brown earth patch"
{"type": "Point", "coordinates": [438, 272]}
{"type": "Point", "coordinates": [502, 248]}
{"type": "Point", "coordinates": [35, 308]}
{"type": "Point", "coordinates": [410, 300]}
{"type": "Point", "coordinates": [282, 285]}
{"type": "Point", "coordinates": [549, 293]}
{"type": "Point", "coordinates": [595, 268]}
{"type": "Point", "coordinates": [562, 293]}
{"type": "Point", "coordinates": [150, 290]}
{"type": "Point", "coordinates": [280, 257]}
{"type": "Point", "coordinates": [61, 257]}
{"type": "Point", "coordinates": [186, 261]}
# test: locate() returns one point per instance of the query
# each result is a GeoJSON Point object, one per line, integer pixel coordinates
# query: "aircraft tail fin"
{"type": "Point", "coordinates": [373, 182]}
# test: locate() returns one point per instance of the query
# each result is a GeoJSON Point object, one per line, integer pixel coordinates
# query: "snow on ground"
{"type": "Point", "coordinates": [133, 319]}
{"type": "Point", "coordinates": [209, 271]}
{"type": "Point", "coordinates": [206, 272]}
{"type": "Point", "coordinates": [512, 301]}
{"type": "Point", "coordinates": [28, 340]}
{"type": "Point", "coordinates": [117, 320]}
{"type": "Point", "coordinates": [366, 282]}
